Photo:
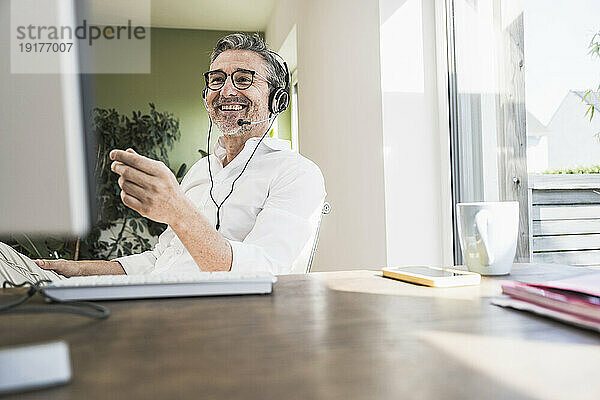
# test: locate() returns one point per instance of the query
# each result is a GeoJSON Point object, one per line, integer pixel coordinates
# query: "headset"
{"type": "Point", "coordinates": [279, 99]}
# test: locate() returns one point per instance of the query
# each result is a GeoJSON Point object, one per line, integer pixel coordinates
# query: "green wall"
{"type": "Point", "coordinates": [179, 58]}
{"type": "Point", "coordinates": [284, 123]}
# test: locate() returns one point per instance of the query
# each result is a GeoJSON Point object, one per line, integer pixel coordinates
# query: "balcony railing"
{"type": "Point", "coordinates": [564, 219]}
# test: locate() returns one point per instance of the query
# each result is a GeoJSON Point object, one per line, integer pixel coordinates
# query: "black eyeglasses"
{"type": "Point", "coordinates": [242, 79]}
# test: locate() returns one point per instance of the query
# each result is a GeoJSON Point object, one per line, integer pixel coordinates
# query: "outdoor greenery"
{"type": "Point", "coordinates": [594, 169]}
{"type": "Point", "coordinates": [119, 230]}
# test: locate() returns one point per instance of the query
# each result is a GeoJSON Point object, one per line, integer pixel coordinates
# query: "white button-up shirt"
{"type": "Point", "coordinates": [270, 219]}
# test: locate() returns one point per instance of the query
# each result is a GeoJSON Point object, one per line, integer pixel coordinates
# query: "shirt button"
{"type": "Point", "coordinates": [179, 252]}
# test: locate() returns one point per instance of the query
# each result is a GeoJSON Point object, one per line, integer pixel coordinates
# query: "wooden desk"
{"type": "Point", "coordinates": [342, 335]}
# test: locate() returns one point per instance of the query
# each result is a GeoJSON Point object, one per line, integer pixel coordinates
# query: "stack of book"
{"type": "Point", "coordinates": [574, 300]}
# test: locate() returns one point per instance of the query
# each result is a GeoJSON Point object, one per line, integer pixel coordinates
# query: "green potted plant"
{"type": "Point", "coordinates": [118, 230]}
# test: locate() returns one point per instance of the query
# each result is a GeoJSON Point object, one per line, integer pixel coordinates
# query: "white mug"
{"type": "Point", "coordinates": [488, 234]}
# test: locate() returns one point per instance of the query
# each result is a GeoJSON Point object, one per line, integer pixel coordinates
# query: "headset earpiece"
{"type": "Point", "coordinates": [279, 98]}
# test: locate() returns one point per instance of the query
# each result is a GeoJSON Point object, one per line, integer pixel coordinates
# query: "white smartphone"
{"type": "Point", "coordinates": [433, 276]}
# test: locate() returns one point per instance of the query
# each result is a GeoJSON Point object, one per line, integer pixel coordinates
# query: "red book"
{"type": "Point", "coordinates": [572, 300]}
{"type": "Point", "coordinates": [575, 303]}
{"type": "Point", "coordinates": [586, 284]}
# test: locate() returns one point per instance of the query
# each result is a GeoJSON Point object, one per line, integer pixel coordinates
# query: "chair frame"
{"type": "Point", "coordinates": [324, 211]}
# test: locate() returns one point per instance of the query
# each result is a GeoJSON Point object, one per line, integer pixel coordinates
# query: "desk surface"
{"type": "Point", "coordinates": [337, 335]}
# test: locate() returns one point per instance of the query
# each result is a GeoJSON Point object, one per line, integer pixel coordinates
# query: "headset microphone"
{"type": "Point", "coordinates": [241, 122]}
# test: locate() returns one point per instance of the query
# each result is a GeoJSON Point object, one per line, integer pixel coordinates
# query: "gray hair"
{"type": "Point", "coordinates": [276, 74]}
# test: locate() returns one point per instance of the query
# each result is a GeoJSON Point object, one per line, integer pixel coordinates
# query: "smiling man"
{"type": "Point", "coordinates": [253, 205]}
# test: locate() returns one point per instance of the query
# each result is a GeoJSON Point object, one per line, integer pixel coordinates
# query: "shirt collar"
{"type": "Point", "coordinates": [274, 144]}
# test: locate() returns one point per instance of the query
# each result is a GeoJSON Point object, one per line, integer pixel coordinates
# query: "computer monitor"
{"type": "Point", "coordinates": [46, 183]}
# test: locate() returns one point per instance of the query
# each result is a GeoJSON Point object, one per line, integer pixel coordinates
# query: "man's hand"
{"type": "Point", "coordinates": [148, 186]}
{"type": "Point", "coordinates": [64, 267]}
{"type": "Point", "coordinates": [70, 268]}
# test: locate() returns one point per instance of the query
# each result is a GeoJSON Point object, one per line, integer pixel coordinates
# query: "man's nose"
{"type": "Point", "coordinates": [228, 89]}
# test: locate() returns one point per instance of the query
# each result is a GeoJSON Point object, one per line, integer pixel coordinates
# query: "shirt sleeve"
{"type": "Point", "coordinates": [143, 263]}
{"type": "Point", "coordinates": [286, 223]}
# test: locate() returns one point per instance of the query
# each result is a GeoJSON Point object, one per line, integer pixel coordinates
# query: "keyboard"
{"type": "Point", "coordinates": [114, 287]}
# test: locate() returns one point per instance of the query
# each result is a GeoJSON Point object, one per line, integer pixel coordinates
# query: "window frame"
{"type": "Point", "coordinates": [511, 129]}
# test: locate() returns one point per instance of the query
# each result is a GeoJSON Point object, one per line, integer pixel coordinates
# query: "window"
{"type": "Point", "coordinates": [518, 94]}
{"type": "Point", "coordinates": [487, 112]}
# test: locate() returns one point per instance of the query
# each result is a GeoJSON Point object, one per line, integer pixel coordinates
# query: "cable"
{"type": "Point", "coordinates": [73, 307]}
{"type": "Point", "coordinates": [218, 224]}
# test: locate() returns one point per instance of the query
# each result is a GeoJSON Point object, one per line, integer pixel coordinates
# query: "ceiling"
{"type": "Point", "coordinates": [236, 15]}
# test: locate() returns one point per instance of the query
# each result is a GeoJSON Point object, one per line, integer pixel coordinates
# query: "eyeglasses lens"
{"type": "Point", "coordinates": [215, 80]}
{"type": "Point", "coordinates": [241, 79]}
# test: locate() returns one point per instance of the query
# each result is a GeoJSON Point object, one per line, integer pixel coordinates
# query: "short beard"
{"type": "Point", "coordinates": [227, 127]}
{"type": "Point", "coordinates": [239, 131]}
{"type": "Point", "coordinates": [232, 128]}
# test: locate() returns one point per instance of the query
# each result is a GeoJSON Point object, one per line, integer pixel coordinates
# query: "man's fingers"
{"type": "Point", "coordinates": [131, 174]}
{"type": "Point", "coordinates": [132, 188]}
{"type": "Point", "coordinates": [131, 202]}
{"type": "Point", "coordinates": [46, 264]}
{"type": "Point", "coordinates": [137, 161]}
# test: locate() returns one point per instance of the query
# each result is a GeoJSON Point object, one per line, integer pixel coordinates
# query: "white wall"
{"type": "Point", "coordinates": [537, 154]}
{"type": "Point", "coordinates": [571, 140]}
{"type": "Point", "coordinates": [386, 173]}
{"type": "Point", "coordinates": [340, 126]}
